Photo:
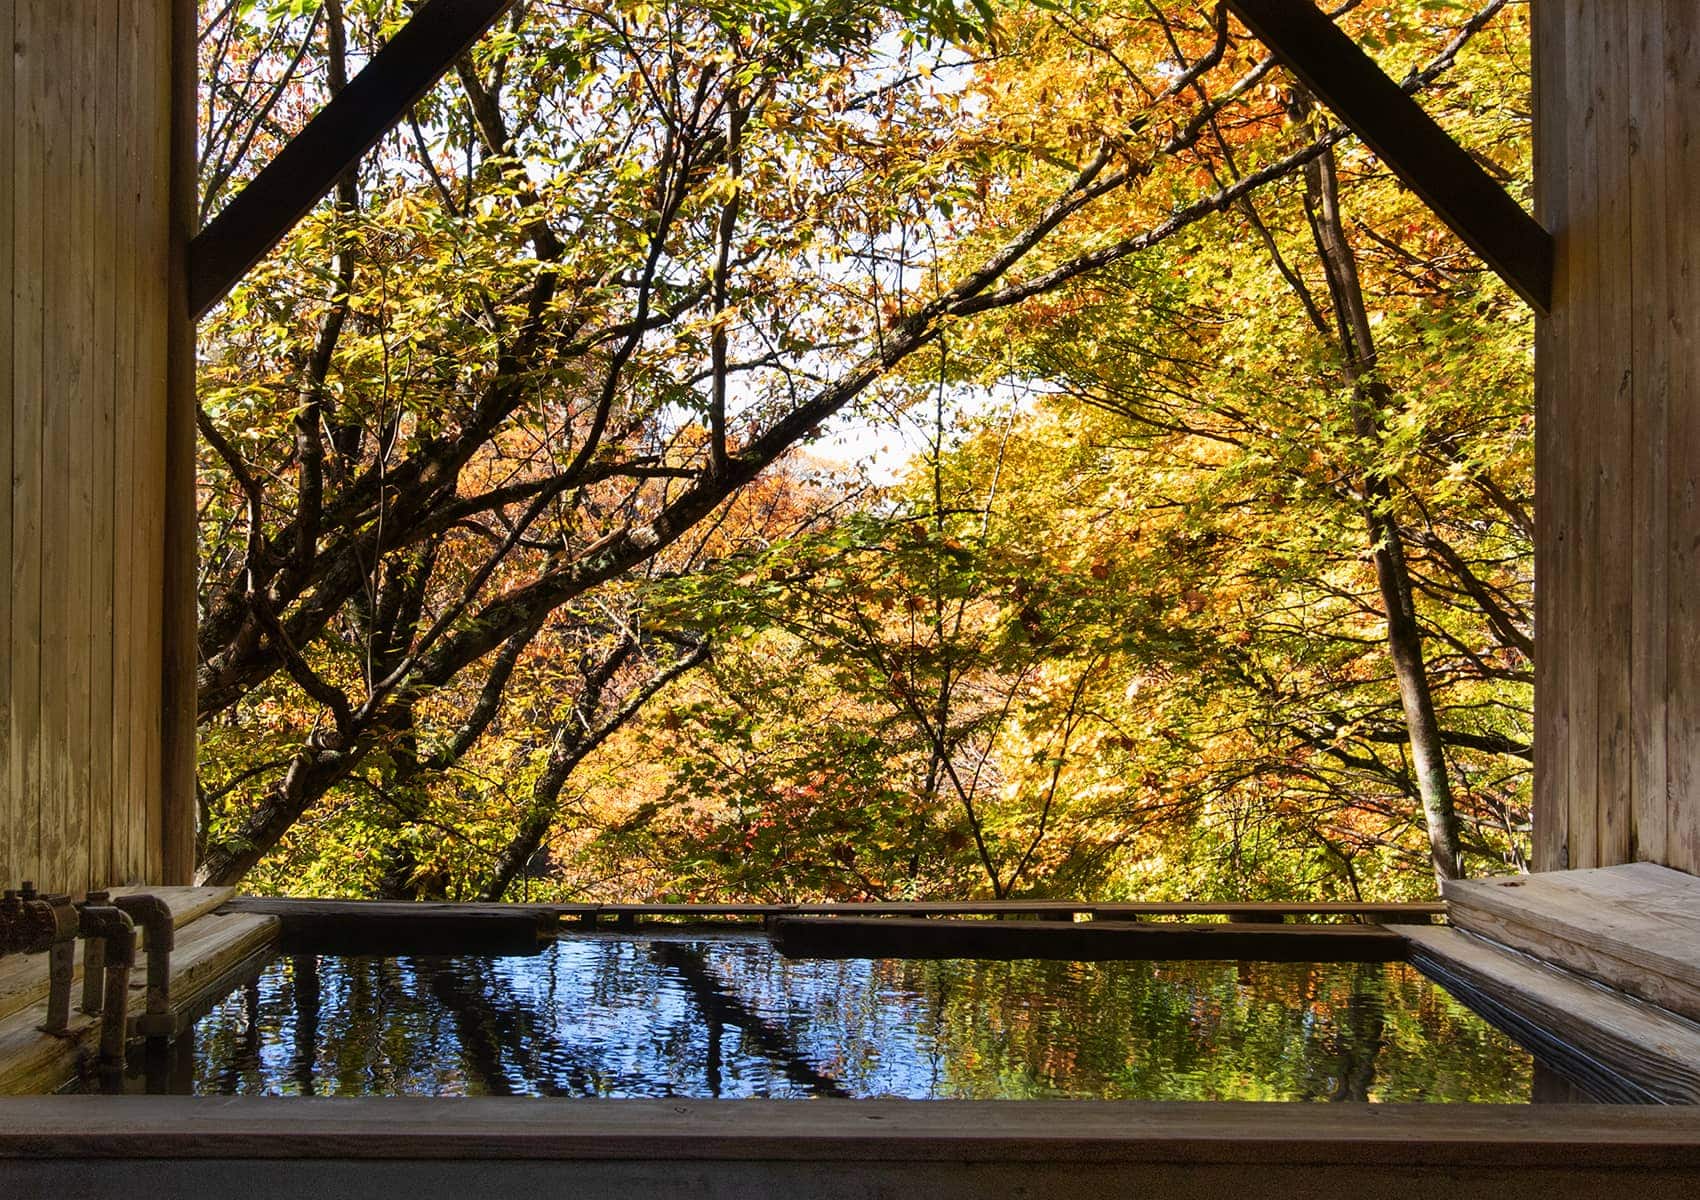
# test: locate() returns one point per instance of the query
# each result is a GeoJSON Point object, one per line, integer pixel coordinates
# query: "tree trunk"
{"type": "Point", "coordinates": [1404, 635]}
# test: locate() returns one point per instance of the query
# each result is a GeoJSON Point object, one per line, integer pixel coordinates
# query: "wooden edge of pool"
{"type": "Point", "coordinates": [1454, 1136]}
{"type": "Point", "coordinates": [1092, 941]}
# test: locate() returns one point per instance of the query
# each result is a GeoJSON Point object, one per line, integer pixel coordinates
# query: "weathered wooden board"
{"type": "Point", "coordinates": [1061, 910]}
{"type": "Point", "coordinates": [1614, 1047]}
{"type": "Point", "coordinates": [1635, 928]}
{"type": "Point", "coordinates": [383, 927]}
{"type": "Point", "coordinates": [85, 266]}
{"type": "Point", "coordinates": [1092, 941]}
{"type": "Point", "coordinates": [1463, 1136]}
{"type": "Point", "coordinates": [1548, 23]}
{"type": "Point", "coordinates": [1617, 771]}
{"type": "Point", "coordinates": [1681, 76]}
{"type": "Point", "coordinates": [11, 819]}
{"type": "Point", "coordinates": [1649, 477]}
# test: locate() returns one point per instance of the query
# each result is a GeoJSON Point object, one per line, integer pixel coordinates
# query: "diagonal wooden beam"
{"type": "Point", "coordinates": [287, 188]}
{"type": "Point", "coordinates": [1408, 140]}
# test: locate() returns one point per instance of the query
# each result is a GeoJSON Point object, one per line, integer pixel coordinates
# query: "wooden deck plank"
{"type": "Point", "coordinates": [1614, 1047]}
{"type": "Point", "coordinates": [1635, 928]}
{"type": "Point", "coordinates": [1093, 941]}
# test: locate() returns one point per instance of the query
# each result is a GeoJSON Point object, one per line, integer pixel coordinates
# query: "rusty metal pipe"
{"type": "Point", "coordinates": [54, 922]}
{"type": "Point", "coordinates": [94, 958]}
{"type": "Point", "coordinates": [118, 933]}
{"type": "Point", "coordinates": [154, 917]}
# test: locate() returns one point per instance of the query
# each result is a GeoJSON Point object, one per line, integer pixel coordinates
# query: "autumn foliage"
{"type": "Point", "coordinates": [536, 554]}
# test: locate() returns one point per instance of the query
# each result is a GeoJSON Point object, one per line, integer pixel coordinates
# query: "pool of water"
{"type": "Point", "coordinates": [726, 1017]}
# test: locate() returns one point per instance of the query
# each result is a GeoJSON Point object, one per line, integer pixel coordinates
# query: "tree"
{"type": "Point", "coordinates": [603, 279]}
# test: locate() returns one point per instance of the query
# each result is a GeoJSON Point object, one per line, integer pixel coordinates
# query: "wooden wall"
{"type": "Point", "coordinates": [1617, 103]}
{"type": "Point", "coordinates": [86, 336]}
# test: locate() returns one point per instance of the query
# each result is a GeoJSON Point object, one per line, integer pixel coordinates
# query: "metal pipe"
{"type": "Point", "coordinates": [54, 920]}
{"type": "Point", "coordinates": [120, 957]}
{"type": "Point", "coordinates": [94, 955]}
{"type": "Point", "coordinates": [154, 916]}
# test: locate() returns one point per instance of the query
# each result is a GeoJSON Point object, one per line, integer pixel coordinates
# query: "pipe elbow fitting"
{"type": "Point", "coordinates": [153, 915]}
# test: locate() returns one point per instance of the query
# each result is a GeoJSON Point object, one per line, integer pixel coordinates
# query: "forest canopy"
{"type": "Point", "coordinates": [752, 449]}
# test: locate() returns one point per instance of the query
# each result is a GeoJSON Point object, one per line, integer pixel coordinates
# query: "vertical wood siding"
{"type": "Point", "coordinates": [85, 301]}
{"type": "Point", "coordinates": [1617, 765]}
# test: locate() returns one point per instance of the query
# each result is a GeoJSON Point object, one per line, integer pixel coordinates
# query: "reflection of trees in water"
{"type": "Point", "coordinates": [720, 1008]}
{"type": "Point", "coordinates": [499, 1031]}
{"type": "Point", "coordinates": [710, 1018]}
{"type": "Point", "coordinates": [308, 996]}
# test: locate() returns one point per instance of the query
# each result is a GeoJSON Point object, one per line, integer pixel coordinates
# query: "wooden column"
{"type": "Point", "coordinates": [1617, 770]}
{"type": "Point", "coordinates": [89, 442]}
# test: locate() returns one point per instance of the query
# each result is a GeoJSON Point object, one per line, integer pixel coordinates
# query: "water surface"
{"type": "Point", "coordinates": [726, 1017]}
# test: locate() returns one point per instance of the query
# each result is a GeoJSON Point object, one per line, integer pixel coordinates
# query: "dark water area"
{"type": "Point", "coordinates": [727, 1017]}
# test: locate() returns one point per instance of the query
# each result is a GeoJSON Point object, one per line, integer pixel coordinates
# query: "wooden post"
{"type": "Point", "coordinates": [177, 774]}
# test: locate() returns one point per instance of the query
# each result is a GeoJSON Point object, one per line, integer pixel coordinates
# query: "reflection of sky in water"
{"type": "Point", "coordinates": [727, 1016]}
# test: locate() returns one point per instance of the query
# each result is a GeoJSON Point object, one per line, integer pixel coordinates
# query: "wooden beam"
{"type": "Point", "coordinates": [178, 718]}
{"type": "Point", "coordinates": [402, 927]}
{"type": "Point", "coordinates": [678, 1136]}
{"type": "Point", "coordinates": [286, 189]}
{"type": "Point", "coordinates": [1408, 140]}
{"type": "Point", "coordinates": [1091, 941]}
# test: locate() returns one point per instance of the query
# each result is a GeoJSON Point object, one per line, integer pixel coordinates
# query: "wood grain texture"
{"type": "Point", "coordinates": [1577, 429]}
{"type": "Point", "coordinates": [1682, 51]}
{"type": "Point", "coordinates": [1462, 1136]}
{"type": "Point", "coordinates": [62, 365]}
{"type": "Point", "coordinates": [10, 819]}
{"type": "Point", "coordinates": [1549, 23]}
{"type": "Point", "coordinates": [1634, 927]}
{"type": "Point", "coordinates": [1617, 111]}
{"type": "Point", "coordinates": [86, 161]}
{"type": "Point", "coordinates": [127, 797]}
{"type": "Point", "coordinates": [99, 448]}
{"type": "Point", "coordinates": [1613, 581]}
{"type": "Point", "coordinates": [30, 120]}
{"type": "Point", "coordinates": [1615, 1048]}
{"type": "Point", "coordinates": [1650, 306]}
